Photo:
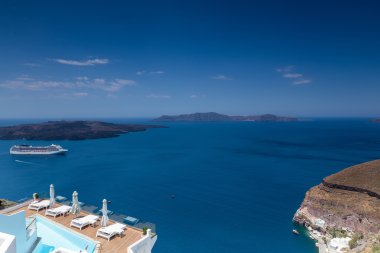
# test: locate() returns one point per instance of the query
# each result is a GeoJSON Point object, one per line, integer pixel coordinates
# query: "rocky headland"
{"type": "Point", "coordinates": [4, 203]}
{"type": "Point", "coordinates": [213, 116]}
{"type": "Point", "coordinates": [69, 130]}
{"type": "Point", "coordinates": [343, 212]}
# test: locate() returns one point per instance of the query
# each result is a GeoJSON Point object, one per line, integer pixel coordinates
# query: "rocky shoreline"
{"type": "Point", "coordinates": [343, 212]}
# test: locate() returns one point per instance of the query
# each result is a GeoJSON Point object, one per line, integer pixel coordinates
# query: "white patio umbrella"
{"type": "Point", "coordinates": [75, 208]}
{"type": "Point", "coordinates": [52, 197]}
{"type": "Point", "coordinates": [105, 214]}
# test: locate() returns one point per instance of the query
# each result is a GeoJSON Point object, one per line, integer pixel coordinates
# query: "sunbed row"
{"type": "Point", "coordinates": [106, 232]}
{"type": "Point", "coordinates": [89, 220]}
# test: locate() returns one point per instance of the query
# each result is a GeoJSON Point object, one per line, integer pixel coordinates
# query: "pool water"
{"type": "Point", "coordinates": [42, 248]}
{"type": "Point", "coordinates": [53, 236]}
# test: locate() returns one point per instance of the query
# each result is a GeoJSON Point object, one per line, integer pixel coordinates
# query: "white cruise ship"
{"type": "Point", "coordinates": [37, 150]}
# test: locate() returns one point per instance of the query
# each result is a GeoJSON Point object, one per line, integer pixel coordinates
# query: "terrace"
{"type": "Point", "coordinates": [131, 239]}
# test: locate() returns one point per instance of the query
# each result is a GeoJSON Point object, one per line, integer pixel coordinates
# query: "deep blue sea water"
{"type": "Point", "coordinates": [236, 185]}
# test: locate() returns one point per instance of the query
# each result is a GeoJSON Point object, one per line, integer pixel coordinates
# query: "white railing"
{"type": "Point", "coordinates": [145, 244]}
{"type": "Point", "coordinates": [30, 229]}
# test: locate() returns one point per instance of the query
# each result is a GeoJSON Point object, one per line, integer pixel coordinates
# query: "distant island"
{"type": "Point", "coordinates": [69, 130]}
{"type": "Point", "coordinates": [344, 210]}
{"type": "Point", "coordinates": [213, 116]}
{"type": "Point", "coordinates": [377, 120]}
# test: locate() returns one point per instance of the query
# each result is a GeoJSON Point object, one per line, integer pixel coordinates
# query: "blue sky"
{"type": "Point", "coordinates": [146, 58]}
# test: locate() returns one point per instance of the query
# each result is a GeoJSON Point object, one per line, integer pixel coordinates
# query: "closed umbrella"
{"type": "Point", "coordinates": [52, 198]}
{"type": "Point", "coordinates": [75, 208]}
{"type": "Point", "coordinates": [105, 214]}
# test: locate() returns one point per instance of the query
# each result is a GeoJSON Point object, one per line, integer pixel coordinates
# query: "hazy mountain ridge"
{"type": "Point", "coordinates": [69, 130]}
{"type": "Point", "coordinates": [213, 116]}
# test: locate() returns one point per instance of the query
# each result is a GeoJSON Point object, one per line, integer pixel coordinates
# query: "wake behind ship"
{"type": "Point", "coordinates": [37, 150]}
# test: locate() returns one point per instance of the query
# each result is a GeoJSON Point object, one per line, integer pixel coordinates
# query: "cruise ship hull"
{"type": "Point", "coordinates": [59, 152]}
{"type": "Point", "coordinates": [30, 150]}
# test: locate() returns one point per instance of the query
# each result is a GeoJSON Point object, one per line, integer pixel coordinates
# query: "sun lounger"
{"type": "Point", "coordinates": [61, 210]}
{"type": "Point", "coordinates": [39, 205]}
{"type": "Point", "coordinates": [60, 198]}
{"type": "Point", "coordinates": [131, 220]}
{"type": "Point", "coordinates": [84, 221]}
{"type": "Point", "coordinates": [111, 230]}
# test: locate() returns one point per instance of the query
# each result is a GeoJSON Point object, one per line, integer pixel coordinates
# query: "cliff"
{"type": "Point", "coordinates": [4, 203]}
{"type": "Point", "coordinates": [348, 201]}
{"type": "Point", "coordinates": [213, 116]}
{"type": "Point", "coordinates": [68, 130]}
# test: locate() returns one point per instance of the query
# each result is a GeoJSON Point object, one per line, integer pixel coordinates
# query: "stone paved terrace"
{"type": "Point", "coordinates": [117, 244]}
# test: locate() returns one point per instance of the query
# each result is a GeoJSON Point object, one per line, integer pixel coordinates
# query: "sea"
{"type": "Point", "coordinates": [208, 187]}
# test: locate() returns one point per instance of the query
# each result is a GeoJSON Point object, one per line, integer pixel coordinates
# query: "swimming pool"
{"type": "Point", "coordinates": [54, 236]}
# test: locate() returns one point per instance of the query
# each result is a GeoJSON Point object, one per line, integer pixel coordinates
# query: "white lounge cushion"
{"type": "Point", "coordinates": [87, 218]}
{"type": "Point", "coordinates": [58, 210]}
{"type": "Point", "coordinates": [111, 230]}
{"type": "Point", "coordinates": [84, 221]}
{"type": "Point", "coordinates": [39, 205]}
{"type": "Point", "coordinates": [63, 208]}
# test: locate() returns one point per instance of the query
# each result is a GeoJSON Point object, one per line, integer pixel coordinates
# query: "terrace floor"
{"type": "Point", "coordinates": [117, 244]}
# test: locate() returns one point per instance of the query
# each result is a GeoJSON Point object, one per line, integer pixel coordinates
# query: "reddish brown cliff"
{"type": "Point", "coordinates": [348, 199]}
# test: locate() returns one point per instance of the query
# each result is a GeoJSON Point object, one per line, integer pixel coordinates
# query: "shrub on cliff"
{"type": "Point", "coordinates": [337, 233]}
{"type": "Point", "coordinates": [376, 248]}
{"type": "Point", "coordinates": [353, 243]}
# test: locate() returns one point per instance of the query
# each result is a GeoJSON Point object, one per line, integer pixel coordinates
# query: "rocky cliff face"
{"type": "Point", "coordinates": [346, 205]}
{"type": "Point", "coordinates": [348, 200]}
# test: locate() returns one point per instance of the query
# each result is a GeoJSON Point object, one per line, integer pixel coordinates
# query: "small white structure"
{"type": "Point", "coordinates": [15, 225]}
{"type": "Point", "coordinates": [7, 243]}
{"type": "Point", "coordinates": [320, 223]}
{"type": "Point", "coordinates": [338, 244]}
{"type": "Point", "coordinates": [144, 245]}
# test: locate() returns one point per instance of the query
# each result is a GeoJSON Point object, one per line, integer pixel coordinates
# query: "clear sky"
{"type": "Point", "coordinates": [141, 58]}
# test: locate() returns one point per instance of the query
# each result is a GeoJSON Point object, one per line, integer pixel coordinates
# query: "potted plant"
{"type": "Point", "coordinates": [144, 230]}
{"type": "Point", "coordinates": [35, 196]}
